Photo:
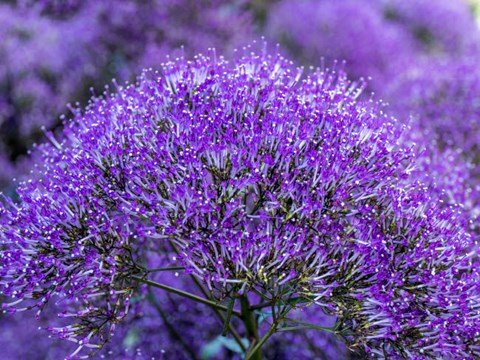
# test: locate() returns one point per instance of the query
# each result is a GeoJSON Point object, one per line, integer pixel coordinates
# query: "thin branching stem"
{"type": "Point", "coordinates": [251, 326]}
{"type": "Point", "coordinates": [311, 326]}
{"type": "Point", "coordinates": [172, 268]}
{"type": "Point", "coordinates": [207, 294]}
{"type": "Point", "coordinates": [231, 329]}
{"type": "Point", "coordinates": [261, 305]}
{"type": "Point", "coordinates": [256, 349]}
{"type": "Point", "coordinates": [270, 303]}
{"type": "Point", "coordinates": [228, 317]}
{"type": "Point", "coordinates": [184, 294]}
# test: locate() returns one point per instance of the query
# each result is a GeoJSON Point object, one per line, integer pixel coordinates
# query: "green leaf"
{"type": "Point", "coordinates": [298, 300]}
{"type": "Point", "coordinates": [135, 299]}
{"type": "Point", "coordinates": [262, 315]}
{"type": "Point", "coordinates": [232, 345]}
{"type": "Point", "coordinates": [213, 348]}
{"type": "Point", "coordinates": [131, 339]}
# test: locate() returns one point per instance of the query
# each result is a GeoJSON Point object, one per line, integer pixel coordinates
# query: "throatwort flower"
{"type": "Point", "coordinates": [275, 190]}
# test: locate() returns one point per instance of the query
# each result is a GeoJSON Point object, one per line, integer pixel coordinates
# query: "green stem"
{"type": "Point", "coordinates": [293, 328]}
{"type": "Point", "coordinates": [253, 355]}
{"type": "Point", "coordinates": [294, 300]}
{"type": "Point", "coordinates": [232, 330]}
{"type": "Point", "coordinates": [173, 268]}
{"type": "Point", "coordinates": [308, 326]}
{"type": "Point", "coordinates": [251, 328]}
{"type": "Point", "coordinates": [229, 316]}
{"type": "Point", "coordinates": [185, 294]}
{"type": "Point", "coordinates": [261, 305]}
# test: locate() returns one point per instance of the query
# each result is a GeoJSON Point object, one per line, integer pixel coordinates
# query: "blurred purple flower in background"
{"type": "Point", "coordinates": [422, 57]}
{"type": "Point", "coordinates": [54, 52]}
{"type": "Point", "coordinates": [351, 30]}
{"type": "Point", "coordinates": [376, 38]}
{"type": "Point", "coordinates": [436, 27]}
{"type": "Point", "coordinates": [44, 63]}
{"type": "Point", "coordinates": [443, 96]}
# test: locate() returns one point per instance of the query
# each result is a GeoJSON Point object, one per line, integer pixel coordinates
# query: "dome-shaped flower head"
{"type": "Point", "coordinates": [266, 185]}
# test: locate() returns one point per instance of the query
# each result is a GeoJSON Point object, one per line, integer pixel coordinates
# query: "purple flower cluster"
{"type": "Point", "coordinates": [263, 183]}
{"type": "Point", "coordinates": [289, 203]}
